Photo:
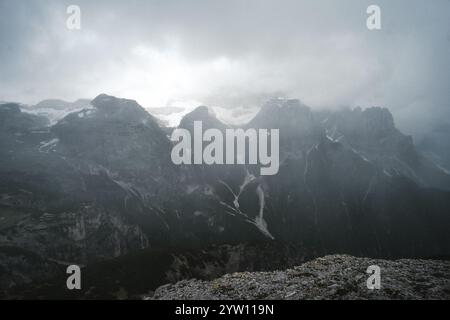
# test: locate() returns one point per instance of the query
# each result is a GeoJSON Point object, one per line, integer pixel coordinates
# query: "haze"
{"type": "Point", "coordinates": [232, 54]}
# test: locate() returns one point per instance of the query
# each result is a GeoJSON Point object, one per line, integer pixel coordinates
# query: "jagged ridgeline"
{"type": "Point", "coordinates": [99, 183]}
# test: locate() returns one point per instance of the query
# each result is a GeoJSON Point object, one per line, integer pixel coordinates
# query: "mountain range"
{"type": "Point", "coordinates": [96, 183]}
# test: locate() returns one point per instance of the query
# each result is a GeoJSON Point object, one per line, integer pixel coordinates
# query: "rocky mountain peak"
{"type": "Point", "coordinates": [109, 108]}
{"type": "Point", "coordinates": [112, 126]}
{"type": "Point", "coordinates": [203, 114]}
{"type": "Point", "coordinates": [379, 119]}
{"type": "Point", "coordinates": [111, 103]}
{"type": "Point", "coordinates": [283, 113]}
{"type": "Point", "coordinates": [286, 108]}
{"type": "Point", "coordinates": [371, 124]}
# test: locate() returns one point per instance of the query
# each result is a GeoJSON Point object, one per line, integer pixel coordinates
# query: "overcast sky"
{"type": "Point", "coordinates": [232, 53]}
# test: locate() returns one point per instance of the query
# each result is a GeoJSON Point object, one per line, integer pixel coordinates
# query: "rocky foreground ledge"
{"type": "Point", "coordinates": [331, 277]}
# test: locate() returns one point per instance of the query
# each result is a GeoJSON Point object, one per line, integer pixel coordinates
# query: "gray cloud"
{"type": "Point", "coordinates": [232, 53]}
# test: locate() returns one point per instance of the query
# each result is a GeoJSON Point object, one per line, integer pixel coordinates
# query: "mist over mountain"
{"type": "Point", "coordinates": [99, 185]}
{"type": "Point", "coordinates": [233, 54]}
{"type": "Point", "coordinates": [436, 144]}
{"type": "Point", "coordinates": [54, 109]}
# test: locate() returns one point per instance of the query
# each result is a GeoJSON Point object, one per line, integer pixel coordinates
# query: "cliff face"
{"type": "Point", "coordinates": [331, 277]}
